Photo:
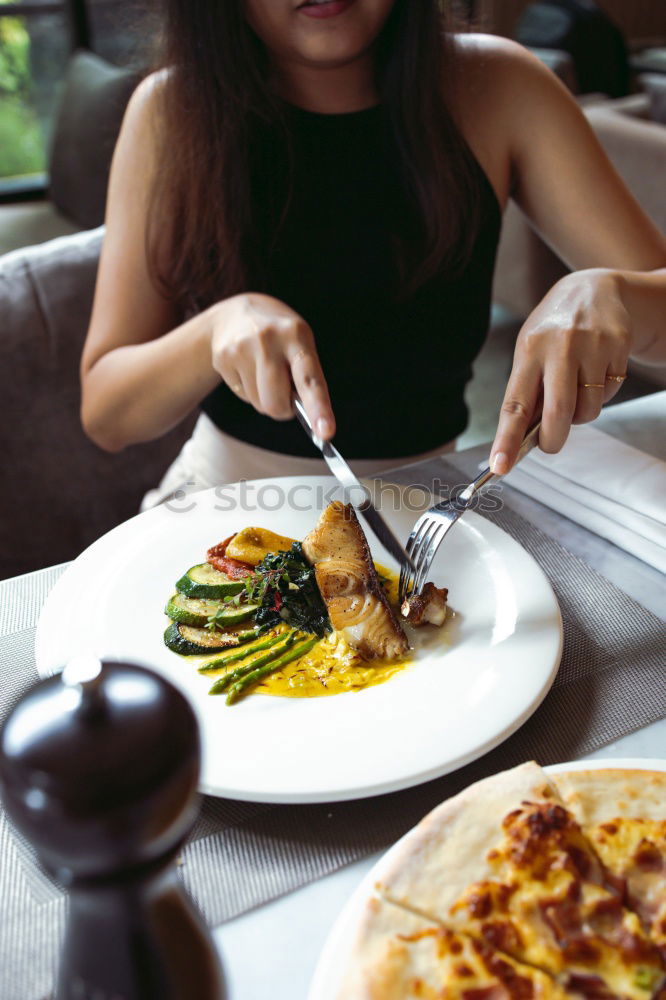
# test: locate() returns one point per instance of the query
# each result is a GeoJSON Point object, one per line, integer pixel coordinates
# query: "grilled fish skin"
{"type": "Point", "coordinates": [348, 582]}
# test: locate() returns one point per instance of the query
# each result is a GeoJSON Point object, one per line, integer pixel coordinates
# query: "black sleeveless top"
{"type": "Point", "coordinates": [396, 367]}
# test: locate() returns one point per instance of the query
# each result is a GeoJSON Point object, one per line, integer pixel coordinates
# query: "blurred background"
{"type": "Point", "coordinates": [37, 40]}
{"type": "Point", "coordinates": [67, 69]}
{"type": "Point", "coordinates": [39, 37]}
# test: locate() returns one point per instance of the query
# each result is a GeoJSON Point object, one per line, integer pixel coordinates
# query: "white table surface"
{"type": "Point", "coordinates": [270, 953]}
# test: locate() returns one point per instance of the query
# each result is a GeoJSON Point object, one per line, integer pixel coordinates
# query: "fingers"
{"type": "Point", "coordinates": [560, 398]}
{"type": "Point", "coordinates": [310, 384]}
{"type": "Point", "coordinates": [263, 353]}
{"type": "Point", "coordinates": [516, 415]}
{"type": "Point", "coordinates": [573, 348]}
{"type": "Point", "coordinates": [569, 397]}
{"type": "Point", "coordinates": [235, 382]}
{"type": "Point", "coordinates": [591, 396]}
{"type": "Point", "coordinates": [614, 379]}
{"type": "Point", "coordinates": [274, 389]}
{"type": "Point", "coordinates": [240, 379]}
{"type": "Point", "coordinates": [597, 383]}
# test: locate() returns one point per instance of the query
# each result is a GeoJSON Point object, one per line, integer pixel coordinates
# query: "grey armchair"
{"type": "Point", "coordinates": [59, 491]}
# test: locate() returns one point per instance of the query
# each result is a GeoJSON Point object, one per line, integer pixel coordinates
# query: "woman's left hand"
{"type": "Point", "coordinates": [577, 337]}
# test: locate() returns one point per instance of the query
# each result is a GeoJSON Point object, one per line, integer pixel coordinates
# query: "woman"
{"type": "Point", "coordinates": [309, 196]}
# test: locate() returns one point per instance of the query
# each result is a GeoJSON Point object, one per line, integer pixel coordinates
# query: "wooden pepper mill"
{"type": "Point", "coordinates": [99, 767]}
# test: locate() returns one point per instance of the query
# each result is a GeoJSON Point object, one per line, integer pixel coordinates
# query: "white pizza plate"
{"type": "Point", "coordinates": [331, 967]}
{"type": "Point", "coordinates": [472, 684]}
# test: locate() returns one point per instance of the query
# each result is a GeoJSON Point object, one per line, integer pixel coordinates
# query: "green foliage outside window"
{"type": "Point", "coordinates": [21, 139]}
{"type": "Point", "coordinates": [14, 56]}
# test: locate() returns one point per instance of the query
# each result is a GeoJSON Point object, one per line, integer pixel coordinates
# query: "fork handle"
{"type": "Point", "coordinates": [528, 442]}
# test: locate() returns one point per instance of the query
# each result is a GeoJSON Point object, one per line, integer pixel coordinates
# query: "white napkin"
{"type": "Point", "coordinates": [612, 488]}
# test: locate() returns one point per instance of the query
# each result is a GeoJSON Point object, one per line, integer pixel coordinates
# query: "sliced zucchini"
{"type": "Point", "coordinates": [197, 611]}
{"type": "Point", "coordinates": [190, 641]}
{"type": "Point", "coordinates": [207, 582]}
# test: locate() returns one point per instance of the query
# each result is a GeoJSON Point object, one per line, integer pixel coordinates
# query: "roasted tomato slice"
{"type": "Point", "coordinates": [221, 547]}
{"type": "Point", "coordinates": [234, 568]}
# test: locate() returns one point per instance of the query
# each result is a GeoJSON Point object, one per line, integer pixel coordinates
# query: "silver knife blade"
{"type": "Point", "coordinates": [355, 493]}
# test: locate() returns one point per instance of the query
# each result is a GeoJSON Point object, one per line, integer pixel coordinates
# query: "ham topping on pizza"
{"type": "Point", "coordinates": [634, 851]}
{"type": "Point", "coordinates": [623, 814]}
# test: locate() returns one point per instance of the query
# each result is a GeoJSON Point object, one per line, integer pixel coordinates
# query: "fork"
{"type": "Point", "coordinates": [429, 531]}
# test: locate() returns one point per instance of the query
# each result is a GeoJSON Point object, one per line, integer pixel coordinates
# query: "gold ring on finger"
{"type": "Point", "coordinates": [592, 385]}
{"type": "Point", "coordinates": [615, 378]}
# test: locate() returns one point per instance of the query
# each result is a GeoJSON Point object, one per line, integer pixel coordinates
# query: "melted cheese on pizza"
{"type": "Point", "coordinates": [634, 851]}
{"type": "Point", "coordinates": [548, 903]}
{"type": "Point", "coordinates": [469, 969]}
{"type": "Point", "coordinates": [436, 962]}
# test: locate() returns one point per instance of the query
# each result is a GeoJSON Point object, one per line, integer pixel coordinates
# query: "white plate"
{"type": "Point", "coordinates": [463, 696]}
{"type": "Point", "coordinates": [331, 967]}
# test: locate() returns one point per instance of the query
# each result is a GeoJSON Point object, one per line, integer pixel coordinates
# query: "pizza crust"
{"type": "Point", "coordinates": [400, 956]}
{"type": "Point", "coordinates": [603, 795]}
{"type": "Point", "coordinates": [448, 849]}
{"type": "Point", "coordinates": [380, 957]}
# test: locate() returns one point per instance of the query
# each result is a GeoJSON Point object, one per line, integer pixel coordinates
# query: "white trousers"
{"type": "Point", "coordinates": [212, 458]}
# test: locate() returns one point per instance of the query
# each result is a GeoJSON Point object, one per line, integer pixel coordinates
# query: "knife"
{"type": "Point", "coordinates": [357, 494]}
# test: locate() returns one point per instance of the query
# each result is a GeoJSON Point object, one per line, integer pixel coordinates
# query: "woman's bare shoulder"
{"type": "Point", "coordinates": [147, 99]}
{"type": "Point", "coordinates": [493, 63]}
{"type": "Point", "coordinates": [137, 152]}
{"type": "Point", "coordinates": [488, 79]}
{"type": "Point", "coordinates": [503, 91]}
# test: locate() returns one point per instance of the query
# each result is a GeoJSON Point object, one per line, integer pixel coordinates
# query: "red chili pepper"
{"type": "Point", "coordinates": [277, 604]}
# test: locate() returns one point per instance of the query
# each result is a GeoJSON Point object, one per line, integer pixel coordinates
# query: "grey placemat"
{"type": "Point", "coordinates": [611, 682]}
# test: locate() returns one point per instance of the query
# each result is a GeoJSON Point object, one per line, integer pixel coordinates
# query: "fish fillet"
{"type": "Point", "coordinates": [428, 606]}
{"type": "Point", "coordinates": [346, 576]}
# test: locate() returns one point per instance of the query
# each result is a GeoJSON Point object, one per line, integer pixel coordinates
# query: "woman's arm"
{"type": "Point", "coordinates": [613, 305]}
{"type": "Point", "coordinates": [138, 380]}
{"type": "Point", "coordinates": [141, 373]}
{"type": "Point", "coordinates": [643, 294]}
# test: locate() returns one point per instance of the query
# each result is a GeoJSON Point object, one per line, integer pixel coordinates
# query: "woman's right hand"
{"type": "Point", "coordinates": [263, 349]}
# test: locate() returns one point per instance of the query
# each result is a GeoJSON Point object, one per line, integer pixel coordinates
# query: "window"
{"type": "Point", "coordinates": [36, 39]}
{"type": "Point", "coordinates": [35, 42]}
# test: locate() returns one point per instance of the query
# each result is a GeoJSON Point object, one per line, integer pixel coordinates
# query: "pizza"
{"type": "Point", "coordinates": [623, 815]}
{"type": "Point", "coordinates": [523, 887]}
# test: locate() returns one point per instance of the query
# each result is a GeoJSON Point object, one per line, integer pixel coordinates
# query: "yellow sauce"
{"type": "Point", "coordinates": [332, 666]}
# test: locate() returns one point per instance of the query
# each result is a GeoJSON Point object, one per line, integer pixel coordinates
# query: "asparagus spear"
{"type": "Point", "coordinates": [247, 635]}
{"type": "Point", "coordinates": [222, 683]}
{"type": "Point", "coordinates": [240, 654]}
{"type": "Point", "coordinates": [248, 679]}
{"type": "Point", "coordinates": [244, 668]}
{"type": "Point", "coordinates": [244, 636]}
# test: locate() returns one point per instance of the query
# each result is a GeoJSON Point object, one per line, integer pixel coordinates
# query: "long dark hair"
{"type": "Point", "coordinates": [215, 99]}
